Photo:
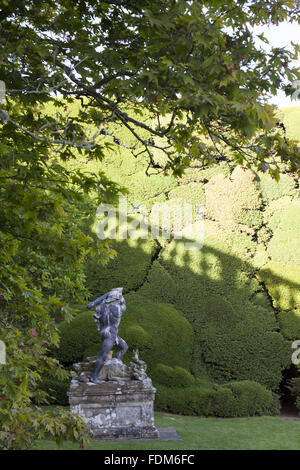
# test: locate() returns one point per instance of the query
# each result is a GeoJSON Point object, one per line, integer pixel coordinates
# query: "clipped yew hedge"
{"type": "Point", "coordinates": [235, 399]}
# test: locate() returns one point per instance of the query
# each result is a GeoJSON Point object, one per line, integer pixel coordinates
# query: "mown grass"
{"type": "Point", "coordinates": [258, 433]}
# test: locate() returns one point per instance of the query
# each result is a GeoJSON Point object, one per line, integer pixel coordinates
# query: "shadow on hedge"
{"type": "Point", "coordinates": [231, 348]}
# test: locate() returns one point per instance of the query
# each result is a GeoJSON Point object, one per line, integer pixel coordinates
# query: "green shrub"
{"type": "Point", "coordinates": [236, 339]}
{"type": "Point", "coordinates": [282, 282]}
{"type": "Point", "coordinates": [91, 351]}
{"type": "Point", "coordinates": [137, 337]}
{"type": "Point", "coordinates": [261, 298]}
{"type": "Point", "coordinates": [127, 269]}
{"type": "Point", "coordinates": [75, 337]}
{"type": "Point", "coordinates": [225, 403]}
{"type": "Point", "coordinates": [161, 332]}
{"type": "Point", "coordinates": [194, 174]}
{"type": "Point", "coordinates": [290, 117]}
{"type": "Point", "coordinates": [290, 324]}
{"type": "Point", "coordinates": [296, 389]}
{"type": "Point", "coordinates": [244, 353]}
{"type": "Point", "coordinates": [285, 216]}
{"type": "Point", "coordinates": [228, 198]}
{"type": "Point", "coordinates": [245, 398]}
{"type": "Point", "coordinates": [172, 376]}
{"type": "Point", "coordinates": [185, 401]}
{"type": "Point", "coordinates": [252, 218]}
{"type": "Point", "coordinates": [192, 193]}
{"type": "Point", "coordinates": [253, 399]}
{"type": "Point", "coordinates": [271, 189]}
{"type": "Point", "coordinates": [284, 247]}
{"type": "Point", "coordinates": [264, 235]}
{"type": "Point", "coordinates": [234, 399]}
{"type": "Point", "coordinates": [296, 386]}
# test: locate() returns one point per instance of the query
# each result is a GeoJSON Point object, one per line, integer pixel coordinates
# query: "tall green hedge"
{"type": "Point", "coordinates": [236, 339]}
{"type": "Point", "coordinates": [128, 269]}
{"type": "Point", "coordinates": [227, 290]}
{"type": "Point", "coordinates": [239, 294]}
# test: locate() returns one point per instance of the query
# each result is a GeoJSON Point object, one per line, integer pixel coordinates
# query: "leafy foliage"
{"type": "Point", "coordinates": [194, 64]}
{"type": "Point", "coordinates": [197, 61]}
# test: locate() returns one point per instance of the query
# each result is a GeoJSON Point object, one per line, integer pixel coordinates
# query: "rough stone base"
{"type": "Point", "coordinates": [165, 434]}
{"type": "Point", "coordinates": [117, 410]}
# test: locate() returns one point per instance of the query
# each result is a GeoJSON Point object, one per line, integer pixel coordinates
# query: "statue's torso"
{"type": "Point", "coordinates": [108, 316]}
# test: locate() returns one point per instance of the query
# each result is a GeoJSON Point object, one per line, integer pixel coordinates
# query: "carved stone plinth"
{"type": "Point", "coordinates": [117, 407]}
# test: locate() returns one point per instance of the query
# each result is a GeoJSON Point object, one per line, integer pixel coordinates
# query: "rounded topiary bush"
{"type": "Point", "coordinates": [172, 376]}
{"type": "Point", "coordinates": [271, 189]}
{"type": "Point", "coordinates": [235, 399]}
{"type": "Point", "coordinates": [252, 218]}
{"type": "Point", "coordinates": [194, 400]}
{"type": "Point", "coordinates": [158, 330]}
{"type": "Point", "coordinates": [282, 282]}
{"type": "Point", "coordinates": [225, 403]}
{"type": "Point", "coordinates": [245, 398]}
{"type": "Point", "coordinates": [76, 337]}
{"type": "Point", "coordinates": [252, 398]}
{"type": "Point", "coordinates": [161, 331]}
{"type": "Point", "coordinates": [245, 352]}
{"type": "Point", "coordinates": [138, 337]}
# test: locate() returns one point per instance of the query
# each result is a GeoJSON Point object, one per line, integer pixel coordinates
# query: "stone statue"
{"type": "Point", "coordinates": [114, 400]}
{"type": "Point", "coordinates": [108, 312]}
{"type": "Point", "coordinates": [138, 367]}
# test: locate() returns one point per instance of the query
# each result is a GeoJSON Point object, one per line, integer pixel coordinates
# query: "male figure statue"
{"type": "Point", "coordinates": [108, 313]}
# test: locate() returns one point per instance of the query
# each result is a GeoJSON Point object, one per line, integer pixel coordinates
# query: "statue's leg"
{"type": "Point", "coordinates": [123, 347]}
{"type": "Point", "coordinates": [106, 347]}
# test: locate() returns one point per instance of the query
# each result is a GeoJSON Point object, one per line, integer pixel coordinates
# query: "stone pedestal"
{"type": "Point", "coordinates": [117, 407]}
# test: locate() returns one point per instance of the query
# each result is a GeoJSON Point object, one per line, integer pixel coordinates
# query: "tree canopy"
{"type": "Point", "coordinates": [188, 73]}
{"type": "Point", "coordinates": [195, 62]}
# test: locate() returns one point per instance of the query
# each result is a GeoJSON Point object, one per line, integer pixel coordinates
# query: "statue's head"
{"type": "Point", "coordinates": [115, 294]}
{"type": "Point", "coordinates": [111, 296]}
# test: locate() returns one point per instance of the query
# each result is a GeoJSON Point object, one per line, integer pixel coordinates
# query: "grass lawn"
{"type": "Point", "coordinates": [261, 433]}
